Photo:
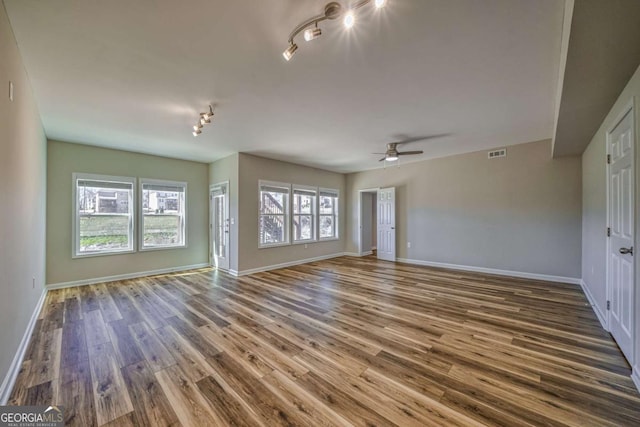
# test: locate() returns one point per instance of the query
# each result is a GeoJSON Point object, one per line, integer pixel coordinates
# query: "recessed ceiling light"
{"type": "Point", "coordinates": [380, 3]}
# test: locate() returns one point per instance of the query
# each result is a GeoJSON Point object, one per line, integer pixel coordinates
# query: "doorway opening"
{"type": "Point", "coordinates": [219, 225]}
{"type": "Point", "coordinates": [368, 222]}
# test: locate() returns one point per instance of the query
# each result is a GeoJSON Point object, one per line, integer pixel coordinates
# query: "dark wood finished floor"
{"type": "Point", "coordinates": [342, 342]}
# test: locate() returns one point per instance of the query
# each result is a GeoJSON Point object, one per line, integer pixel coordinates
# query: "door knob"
{"type": "Point", "coordinates": [625, 251]}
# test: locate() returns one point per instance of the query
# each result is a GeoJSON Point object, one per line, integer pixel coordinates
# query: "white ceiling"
{"type": "Point", "coordinates": [134, 75]}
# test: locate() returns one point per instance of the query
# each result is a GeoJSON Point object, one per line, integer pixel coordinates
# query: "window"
{"type": "Point", "coordinates": [328, 214]}
{"type": "Point", "coordinates": [304, 214]}
{"type": "Point", "coordinates": [103, 215]}
{"type": "Point", "coordinates": [273, 228]}
{"type": "Point", "coordinates": [163, 214]}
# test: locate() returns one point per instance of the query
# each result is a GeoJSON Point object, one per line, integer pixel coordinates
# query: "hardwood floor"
{"type": "Point", "coordinates": [349, 341]}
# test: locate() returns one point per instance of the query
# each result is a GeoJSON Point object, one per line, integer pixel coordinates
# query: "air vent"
{"type": "Point", "coordinates": [498, 153]}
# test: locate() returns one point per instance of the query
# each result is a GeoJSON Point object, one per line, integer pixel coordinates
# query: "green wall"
{"type": "Point", "coordinates": [63, 159]}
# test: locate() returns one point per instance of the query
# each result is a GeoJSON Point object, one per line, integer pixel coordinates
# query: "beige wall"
{"type": "Point", "coordinates": [23, 190]}
{"type": "Point", "coordinates": [252, 169]}
{"type": "Point", "coordinates": [227, 170]}
{"type": "Point", "coordinates": [520, 213]}
{"type": "Point", "coordinates": [594, 221]}
{"type": "Point", "coordinates": [64, 159]}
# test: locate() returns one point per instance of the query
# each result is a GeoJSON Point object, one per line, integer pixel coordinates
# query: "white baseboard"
{"type": "Point", "coordinates": [635, 376]}
{"type": "Point", "coordinates": [10, 379]}
{"type": "Point", "coordinates": [521, 274]}
{"type": "Point", "coordinates": [351, 254]}
{"type": "Point", "coordinates": [596, 309]}
{"type": "Point", "coordinates": [285, 264]}
{"type": "Point", "coordinates": [125, 276]}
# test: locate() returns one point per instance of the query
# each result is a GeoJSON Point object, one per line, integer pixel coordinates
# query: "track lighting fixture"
{"type": "Point", "coordinates": [208, 115]}
{"type": "Point", "coordinates": [332, 11]}
{"type": "Point", "coordinates": [204, 119]}
{"type": "Point", "coordinates": [291, 50]}
{"type": "Point", "coordinates": [312, 33]}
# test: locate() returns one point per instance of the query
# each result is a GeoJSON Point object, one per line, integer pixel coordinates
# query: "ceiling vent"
{"type": "Point", "coordinates": [498, 153]}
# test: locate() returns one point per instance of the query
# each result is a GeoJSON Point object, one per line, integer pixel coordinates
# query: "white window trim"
{"type": "Point", "coordinates": [287, 215]}
{"type": "Point", "coordinates": [336, 214]}
{"type": "Point", "coordinates": [75, 222]}
{"type": "Point", "coordinates": [141, 247]}
{"type": "Point", "coordinates": [315, 214]}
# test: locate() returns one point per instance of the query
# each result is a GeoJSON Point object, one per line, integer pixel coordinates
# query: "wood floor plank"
{"type": "Point", "coordinates": [155, 353]}
{"type": "Point", "coordinates": [109, 389]}
{"type": "Point", "coordinates": [190, 361]}
{"type": "Point", "coordinates": [191, 407]}
{"type": "Point", "coordinates": [45, 366]}
{"type": "Point", "coordinates": [345, 341]}
{"type": "Point", "coordinates": [95, 329]}
{"type": "Point", "coordinates": [76, 394]}
{"type": "Point", "coordinates": [151, 406]}
{"type": "Point", "coordinates": [126, 348]}
{"type": "Point", "coordinates": [74, 343]}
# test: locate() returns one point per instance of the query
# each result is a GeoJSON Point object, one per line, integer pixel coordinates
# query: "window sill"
{"type": "Point", "coordinates": [304, 242]}
{"type": "Point", "coordinates": [329, 239]}
{"type": "Point", "coordinates": [98, 254]}
{"type": "Point", "coordinates": [162, 248]}
{"type": "Point", "coordinates": [273, 245]}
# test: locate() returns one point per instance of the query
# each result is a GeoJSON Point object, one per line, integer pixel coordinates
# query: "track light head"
{"type": "Point", "coordinates": [291, 50]}
{"type": "Point", "coordinates": [349, 19]}
{"type": "Point", "coordinates": [207, 116]}
{"type": "Point", "coordinates": [196, 132]}
{"type": "Point", "coordinates": [312, 33]}
{"type": "Point", "coordinates": [380, 3]}
{"type": "Point", "coordinates": [197, 127]}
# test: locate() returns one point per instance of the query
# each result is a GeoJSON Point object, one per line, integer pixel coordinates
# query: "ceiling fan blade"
{"type": "Point", "coordinates": [422, 138]}
{"type": "Point", "coordinates": [405, 153]}
{"type": "Point", "coordinates": [378, 153]}
{"type": "Point", "coordinates": [383, 159]}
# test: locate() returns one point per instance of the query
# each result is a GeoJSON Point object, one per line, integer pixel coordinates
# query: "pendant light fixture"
{"type": "Point", "coordinates": [332, 11]}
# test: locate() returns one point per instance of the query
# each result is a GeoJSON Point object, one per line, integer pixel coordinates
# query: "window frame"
{"type": "Point", "coordinates": [150, 181]}
{"type": "Point", "coordinates": [335, 214]}
{"type": "Point", "coordinates": [287, 214]}
{"type": "Point", "coordinates": [75, 222]}
{"type": "Point", "coordinates": [314, 214]}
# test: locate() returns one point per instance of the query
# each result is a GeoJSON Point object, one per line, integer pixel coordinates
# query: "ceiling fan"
{"type": "Point", "coordinates": [392, 154]}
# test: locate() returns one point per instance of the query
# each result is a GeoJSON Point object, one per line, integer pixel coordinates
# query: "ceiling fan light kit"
{"type": "Point", "coordinates": [203, 119]}
{"type": "Point", "coordinates": [332, 11]}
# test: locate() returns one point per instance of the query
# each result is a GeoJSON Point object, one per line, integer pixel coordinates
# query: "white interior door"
{"type": "Point", "coordinates": [219, 199]}
{"type": "Point", "coordinates": [621, 217]}
{"type": "Point", "coordinates": [387, 224]}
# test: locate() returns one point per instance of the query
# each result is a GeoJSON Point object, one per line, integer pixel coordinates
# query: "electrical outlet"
{"type": "Point", "coordinates": [306, 246]}
{"type": "Point", "coordinates": [409, 245]}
